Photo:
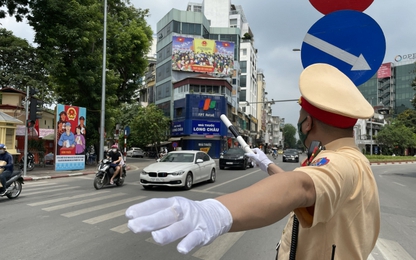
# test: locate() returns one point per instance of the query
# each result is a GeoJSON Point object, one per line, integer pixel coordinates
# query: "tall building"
{"type": "Point", "coordinates": [198, 75]}
{"type": "Point", "coordinates": [390, 89]}
{"type": "Point", "coordinates": [390, 92]}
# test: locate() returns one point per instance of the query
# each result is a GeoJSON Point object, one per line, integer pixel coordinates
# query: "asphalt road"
{"type": "Point", "coordinates": [68, 219]}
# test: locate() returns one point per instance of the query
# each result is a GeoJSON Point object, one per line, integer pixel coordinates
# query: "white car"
{"type": "Point", "coordinates": [135, 152]}
{"type": "Point", "coordinates": [179, 169]}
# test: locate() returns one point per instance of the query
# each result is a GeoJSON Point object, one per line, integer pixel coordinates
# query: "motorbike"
{"type": "Point", "coordinates": [30, 161]}
{"type": "Point", "coordinates": [104, 173]}
{"type": "Point", "coordinates": [14, 185]}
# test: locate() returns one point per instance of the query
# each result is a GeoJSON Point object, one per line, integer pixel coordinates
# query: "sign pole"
{"type": "Point", "coordinates": [26, 133]}
{"type": "Point", "coordinates": [125, 145]}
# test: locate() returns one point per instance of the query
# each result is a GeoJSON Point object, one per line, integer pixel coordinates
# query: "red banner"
{"type": "Point", "coordinates": [384, 71]}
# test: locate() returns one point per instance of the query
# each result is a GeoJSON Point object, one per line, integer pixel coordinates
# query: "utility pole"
{"type": "Point", "coordinates": [26, 132]}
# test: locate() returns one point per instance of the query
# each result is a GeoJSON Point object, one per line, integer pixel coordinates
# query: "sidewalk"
{"type": "Point", "coordinates": [48, 172]}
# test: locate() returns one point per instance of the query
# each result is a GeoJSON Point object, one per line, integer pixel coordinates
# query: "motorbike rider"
{"type": "Point", "coordinates": [116, 158]}
{"type": "Point", "coordinates": [8, 168]}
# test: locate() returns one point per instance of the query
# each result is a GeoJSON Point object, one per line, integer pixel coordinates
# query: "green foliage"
{"type": "Point", "coordinates": [289, 132]}
{"type": "Point", "coordinates": [408, 119]}
{"type": "Point", "coordinates": [17, 8]}
{"type": "Point", "coordinates": [149, 126]}
{"type": "Point", "coordinates": [395, 138]}
{"type": "Point", "coordinates": [20, 67]}
{"type": "Point", "coordinates": [389, 158]}
{"type": "Point", "coordinates": [69, 36]}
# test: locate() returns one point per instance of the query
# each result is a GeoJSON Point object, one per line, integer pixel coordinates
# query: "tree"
{"type": "Point", "coordinates": [289, 132]}
{"type": "Point", "coordinates": [20, 67]}
{"type": "Point", "coordinates": [149, 126]}
{"type": "Point", "coordinates": [408, 118]}
{"type": "Point", "coordinates": [17, 8]}
{"type": "Point", "coordinates": [395, 138]}
{"type": "Point", "coordinates": [69, 35]}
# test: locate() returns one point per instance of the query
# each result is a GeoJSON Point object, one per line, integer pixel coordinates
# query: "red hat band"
{"type": "Point", "coordinates": [327, 117]}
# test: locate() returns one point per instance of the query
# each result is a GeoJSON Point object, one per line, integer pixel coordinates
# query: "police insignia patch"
{"type": "Point", "coordinates": [320, 162]}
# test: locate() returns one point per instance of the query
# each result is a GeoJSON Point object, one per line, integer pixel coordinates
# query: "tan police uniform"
{"type": "Point", "coordinates": [347, 209]}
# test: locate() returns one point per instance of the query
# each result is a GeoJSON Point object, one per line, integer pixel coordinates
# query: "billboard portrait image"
{"type": "Point", "coordinates": [202, 55]}
{"type": "Point", "coordinates": [70, 135]}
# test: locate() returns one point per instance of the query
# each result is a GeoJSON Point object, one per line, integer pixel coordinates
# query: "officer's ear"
{"type": "Point", "coordinates": [308, 123]}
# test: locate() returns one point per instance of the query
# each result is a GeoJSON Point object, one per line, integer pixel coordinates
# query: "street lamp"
{"type": "Point", "coordinates": [102, 131]}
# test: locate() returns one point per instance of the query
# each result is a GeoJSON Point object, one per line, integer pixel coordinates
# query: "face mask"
{"type": "Point", "coordinates": [302, 136]}
{"type": "Point", "coordinates": [114, 150]}
{"type": "Point", "coordinates": [2, 151]}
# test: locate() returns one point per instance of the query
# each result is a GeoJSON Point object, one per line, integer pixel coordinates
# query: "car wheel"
{"type": "Point", "coordinates": [251, 164]}
{"type": "Point", "coordinates": [213, 176]}
{"type": "Point", "coordinates": [244, 165]}
{"type": "Point", "coordinates": [188, 181]}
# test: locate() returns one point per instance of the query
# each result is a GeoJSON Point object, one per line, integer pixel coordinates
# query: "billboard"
{"type": "Point", "coordinates": [384, 71]}
{"type": "Point", "coordinates": [70, 135]}
{"type": "Point", "coordinates": [202, 55]}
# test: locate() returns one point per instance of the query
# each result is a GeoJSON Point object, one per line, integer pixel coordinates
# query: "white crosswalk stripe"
{"type": "Point", "coordinates": [101, 206]}
{"type": "Point", "coordinates": [45, 202]}
{"type": "Point", "coordinates": [50, 190]}
{"type": "Point", "coordinates": [68, 205]}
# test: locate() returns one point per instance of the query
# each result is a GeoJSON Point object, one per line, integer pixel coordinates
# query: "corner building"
{"type": "Point", "coordinates": [198, 76]}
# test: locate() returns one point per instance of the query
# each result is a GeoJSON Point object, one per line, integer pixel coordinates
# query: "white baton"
{"type": "Point", "coordinates": [234, 131]}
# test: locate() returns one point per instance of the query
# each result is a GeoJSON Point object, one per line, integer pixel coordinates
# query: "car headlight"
{"type": "Point", "coordinates": [177, 173]}
{"type": "Point", "coordinates": [241, 157]}
{"type": "Point", "coordinates": [144, 172]}
{"type": "Point", "coordinates": [222, 157]}
{"type": "Point", "coordinates": [296, 156]}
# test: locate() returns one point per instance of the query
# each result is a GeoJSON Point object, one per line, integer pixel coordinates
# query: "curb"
{"type": "Point", "coordinates": [385, 163]}
{"type": "Point", "coordinates": [63, 175]}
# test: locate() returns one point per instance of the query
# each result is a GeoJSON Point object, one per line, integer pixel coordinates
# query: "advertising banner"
{"type": "Point", "coordinates": [202, 55]}
{"type": "Point", "coordinates": [384, 71]}
{"type": "Point", "coordinates": [70, 138]}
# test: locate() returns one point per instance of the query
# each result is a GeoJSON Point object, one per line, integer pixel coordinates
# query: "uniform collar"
{"type": "Point", "coordinates": [342, 142]}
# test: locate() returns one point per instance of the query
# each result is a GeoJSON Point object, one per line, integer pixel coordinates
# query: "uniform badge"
{"type": "Point", "coordinates": [320, 162]}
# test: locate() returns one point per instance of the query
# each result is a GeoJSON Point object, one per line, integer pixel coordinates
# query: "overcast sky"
{"type": "Point", "coordinates": [279, 27]}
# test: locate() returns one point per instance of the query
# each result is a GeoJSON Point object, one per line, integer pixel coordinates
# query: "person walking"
{"type": "Point", "coordinates": [333, 196]}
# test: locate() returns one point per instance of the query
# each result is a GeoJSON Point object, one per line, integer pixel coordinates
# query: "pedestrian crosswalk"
{"type": "Point", "coordinates": [70, 205]}
{"type": "Point", "coordinates": [95, 207]}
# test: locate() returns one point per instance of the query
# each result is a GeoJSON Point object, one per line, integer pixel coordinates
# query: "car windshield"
{"type": "Point", "coordinates": [178, 157]}
{"type": "Point", "coordinates": [236, 151]}
{"type": "Point", "coordinates": [291, 151]}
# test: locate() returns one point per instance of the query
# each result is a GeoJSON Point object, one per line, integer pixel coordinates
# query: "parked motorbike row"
{"type": "Point", "coordinates": [30, 161]}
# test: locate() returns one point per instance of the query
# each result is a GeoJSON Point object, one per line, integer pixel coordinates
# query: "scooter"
{"type": "Point", "coordinates": [30, 161]}
{"type": "Point", "coordinates": [104, 173]}
{"type": "Point", "coordinates": [14, 185]}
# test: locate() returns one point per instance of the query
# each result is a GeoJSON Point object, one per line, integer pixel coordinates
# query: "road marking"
{"type": "Point", "coordinates": [105, 217]}
{"type": "Point", "coordinates": [121, 229]}
{"type": "Point", "coordinates": [82, 202]}
{"type": "Point", "coordinates": [66, 198]}
{"type": "Point", "coordinates": [52, 190]}
{"type": "Point", "coordinates": [209, 192]}
{"type": "Point", "coordinates": [392, 250]}
{"type": "Point", "coordinates": [99, 207]}
{"type": "Point", "coordinates": [399, 184]}
{"type": "Point", "coordinates": [357, 63]}
{"type": "Point", "coordinates": [38, 183]}
{"type": "Point", "coordinates": [45, 188]}
{"type": "Point", "coordinates": [219, 247]}
{"type": "Point", "coordinates": [224, 183]}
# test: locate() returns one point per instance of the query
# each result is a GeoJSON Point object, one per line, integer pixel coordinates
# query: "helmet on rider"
{"type": "Point", "coordinates": [2, 148]}
{"type": "Point", "coordinates": [114, 147]}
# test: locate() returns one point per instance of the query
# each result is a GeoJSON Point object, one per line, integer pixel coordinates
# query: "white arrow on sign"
{"type": "Point", "coordinates": [357, 63]}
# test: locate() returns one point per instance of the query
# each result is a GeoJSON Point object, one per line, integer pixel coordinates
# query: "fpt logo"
{"type": "Point", "coordinates": [207, 104]}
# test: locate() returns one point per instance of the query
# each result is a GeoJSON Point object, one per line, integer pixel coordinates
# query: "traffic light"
{"type": "Point", "coordinates": [35, 109]}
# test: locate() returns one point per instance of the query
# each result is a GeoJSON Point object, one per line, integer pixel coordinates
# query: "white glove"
{"type": "Point", "coordinates": [199, 221]}
{"type": "Point", "coordinates": [260, 158]}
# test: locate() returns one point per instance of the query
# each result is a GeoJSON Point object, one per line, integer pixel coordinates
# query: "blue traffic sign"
{"type": "Point", "coordinates": [127, 130]}
{"type": "Point", "coordinates": [348, 40]}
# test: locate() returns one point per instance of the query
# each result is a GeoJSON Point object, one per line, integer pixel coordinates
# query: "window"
{"type": "Point", "coordinates": [243, 95]}
{"type": "Point", "coordinates": [243, 81]}
{"type": "Point", "coordinates": [243, 66]}
{"type": "Point", "coordinates": [244, 52]}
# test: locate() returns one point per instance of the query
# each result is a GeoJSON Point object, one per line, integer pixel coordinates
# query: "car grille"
{"type": "Point", "coordinates": [158, 174]}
